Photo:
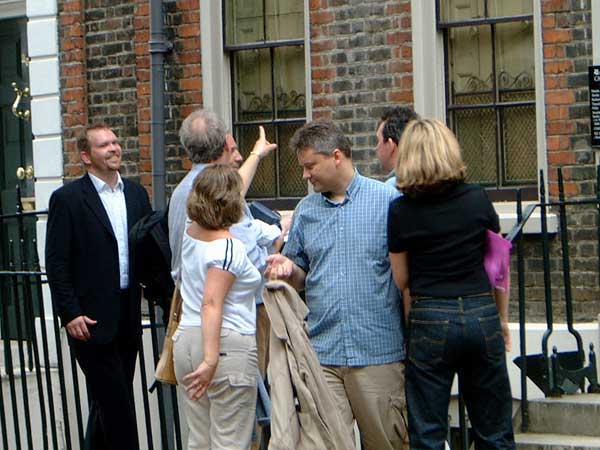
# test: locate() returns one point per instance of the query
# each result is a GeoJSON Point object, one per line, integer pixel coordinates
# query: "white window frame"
{"type": "Point", "coordinates": [216, 78]}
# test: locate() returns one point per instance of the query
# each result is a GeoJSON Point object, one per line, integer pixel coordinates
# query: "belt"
{"type": "Point", "coordinates": [458, 297]}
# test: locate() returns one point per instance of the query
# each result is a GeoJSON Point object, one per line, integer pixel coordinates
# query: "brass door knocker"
{"type": "Point", "coordinates": [15, 106]}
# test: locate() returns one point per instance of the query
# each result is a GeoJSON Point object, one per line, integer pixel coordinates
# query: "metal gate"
{"type": "Point", "coordinates": [43, 402]}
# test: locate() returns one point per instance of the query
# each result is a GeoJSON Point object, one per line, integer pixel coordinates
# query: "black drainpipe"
{"type": "Point", "coordinates": [158, 47]}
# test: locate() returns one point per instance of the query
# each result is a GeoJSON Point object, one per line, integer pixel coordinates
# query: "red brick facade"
{"type": "Point", "coordinates": [105, 76]}
{"type": "Point", "coordinates": [361, 62]}
{"type": "Point", "coordinates": [183, 78]}
{"type": "Point", "coordinates": [73, 81]}
{"type": "Point", "coordinates": [566, 33]}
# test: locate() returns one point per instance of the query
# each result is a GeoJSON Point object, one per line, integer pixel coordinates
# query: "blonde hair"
{"type": "Point", "coordinates": [215, 202]}
{"type": "Point", "coordinates": [428, 156]}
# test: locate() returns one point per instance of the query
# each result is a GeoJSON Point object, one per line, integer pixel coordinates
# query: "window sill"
{"type": "Point", "coordinates": [507, 211]}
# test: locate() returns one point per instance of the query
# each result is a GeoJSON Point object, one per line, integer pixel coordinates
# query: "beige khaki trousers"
{"type": "Point", "coordinates": [374, 396]}
{"type": "Point", "coordinates": [223, 418]}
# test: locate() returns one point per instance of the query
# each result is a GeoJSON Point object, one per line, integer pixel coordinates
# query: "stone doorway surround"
{"type": "Point", "coordinates": [43, 65]}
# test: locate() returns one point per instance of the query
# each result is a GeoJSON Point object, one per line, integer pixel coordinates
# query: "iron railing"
{"type": "Point", "coordinates": [46, 400]}
{"type": "Point", "coordinates": [42, 407]}
{"type": "Point", "coordinates": [559, 372]}
{"type": "Point", "coordinates": [556, 372]}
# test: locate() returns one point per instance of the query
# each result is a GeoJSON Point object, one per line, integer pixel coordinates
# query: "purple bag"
{"type": "Point", "coordinates": [497, 260]}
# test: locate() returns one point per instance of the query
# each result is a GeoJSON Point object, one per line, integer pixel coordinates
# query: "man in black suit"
{"type": "Point", "coordinates": [92, 286]}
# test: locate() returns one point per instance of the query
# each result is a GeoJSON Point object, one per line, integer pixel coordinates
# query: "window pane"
{"type": "Point", "coordinates": [252, 80]}
{"type": "Point", "coordinates": [244, 21]}
{"type": "Point", "coordinates": [285, 19]}
{"type": "Point", "coordinates": [476, 133]}
{"type": "Point", "coordinates": [282, 163]}
{"type": "Point", "coordinates": [290, 172]}
{"type": "Point", "coordinates": [470, 59]}
{"type": "Point", "coordinates": [456, 10]}
{"type": "Point", "coordinates": [499, 8]}
{"type": "Point", "coordinates": [290, 82]}
{"type": "Point", "coordinates": [515, 58]}
{"type": "Point", "coordinates": [519, 136]}
{"type": "Point", "coordinates": [265, 180]}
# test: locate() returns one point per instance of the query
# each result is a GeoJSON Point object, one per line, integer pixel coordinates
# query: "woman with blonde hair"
{"type": "Point", "coordinates": [436, 239]}
{"type": "Point", "coordinates": [215, 347]}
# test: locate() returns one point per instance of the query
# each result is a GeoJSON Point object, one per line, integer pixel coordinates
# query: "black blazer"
{"type": "Point", "coordinates": [82, 260]}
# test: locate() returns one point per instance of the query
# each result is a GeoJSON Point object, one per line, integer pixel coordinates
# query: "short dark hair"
{"type": "Point", "coordinates": [322, 136]}
{"type": "Point", "coordinates": [202, 135]}
{"type": "Point", "coordinates": [395, 121]}
{"type": "Point", "coordinates": [83, 142]}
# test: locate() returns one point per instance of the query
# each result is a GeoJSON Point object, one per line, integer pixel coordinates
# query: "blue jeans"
{"type": "Point", "coordinates": [457, 335]}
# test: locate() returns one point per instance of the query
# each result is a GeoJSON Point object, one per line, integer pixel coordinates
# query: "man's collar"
{"type": "Point", "coordinates": [101, 185]}
{"type": "Point", "coordinates": [354, 183]}
{"type": "Point", "coordinates": [350, 190]}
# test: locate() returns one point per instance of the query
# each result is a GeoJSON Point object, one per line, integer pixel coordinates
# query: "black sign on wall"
{"type": "Point", "coordinates": [594, 82]}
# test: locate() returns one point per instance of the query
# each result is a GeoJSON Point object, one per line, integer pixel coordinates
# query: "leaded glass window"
{"type": "Point", "coordinates": [265, 43]}
{"type": "Point", "coordinates": [490, 87]}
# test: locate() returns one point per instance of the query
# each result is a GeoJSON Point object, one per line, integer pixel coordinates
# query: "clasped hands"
{"type": "Point", "coordinates": [279, 268]}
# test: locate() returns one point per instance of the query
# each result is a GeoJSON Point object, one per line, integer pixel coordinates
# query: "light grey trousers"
{"type": "Point", "coordinates": [223, 418]}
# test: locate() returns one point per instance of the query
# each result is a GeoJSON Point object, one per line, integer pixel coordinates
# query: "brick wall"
{"type": "Point", "coordinates": [183, 81]}
{"type": "Point", "coordinates": [361, 60]}
{"type": "Point", "coordinates": [111, 73]}
{"type": "Point", "coordinates": [98, 76]}
{"type": "Point", "coordinates": [583, 262]}
{"type": "Point", "coordinates": [567, 48]}
{"type": "Point", "coordinates": [105, 76]}
{"type": "Point", "coordinates": [72, 81]}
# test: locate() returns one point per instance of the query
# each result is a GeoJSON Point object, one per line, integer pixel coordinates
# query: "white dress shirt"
{"type": "Point", "coordinates": [114, 204]}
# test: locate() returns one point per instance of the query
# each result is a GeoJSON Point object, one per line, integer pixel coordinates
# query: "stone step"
{"type": "Point", "coordinates": [541, 441]}
{"type": "Point", "coordinates": [577, 414]}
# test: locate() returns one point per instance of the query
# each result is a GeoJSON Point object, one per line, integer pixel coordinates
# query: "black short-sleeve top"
{"type": "Point", "coordinates": [444, 235]}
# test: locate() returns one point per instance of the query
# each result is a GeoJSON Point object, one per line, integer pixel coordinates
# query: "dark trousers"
{"type": "Point", "coordinates": [109, 370]}
{"type": "Point", "coordinates": [449, 336]}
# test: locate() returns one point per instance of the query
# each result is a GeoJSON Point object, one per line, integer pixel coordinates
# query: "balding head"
{"type": "Point", "coordinates": [202, 134]}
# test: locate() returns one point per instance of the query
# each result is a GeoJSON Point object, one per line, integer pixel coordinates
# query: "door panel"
{"type": "Point", "coordinates": [15, 152]}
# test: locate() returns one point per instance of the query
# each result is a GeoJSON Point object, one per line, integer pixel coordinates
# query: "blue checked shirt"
{"type": "Point", "coordinates": [355, 309]}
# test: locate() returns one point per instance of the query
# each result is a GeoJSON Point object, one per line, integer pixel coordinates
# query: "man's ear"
{"type": "Point", "coordinates": [226, 149]}
{"type": "Point", "coordinates": [338, 156]}
{"type": "Point", "coordinates": [85, 158]}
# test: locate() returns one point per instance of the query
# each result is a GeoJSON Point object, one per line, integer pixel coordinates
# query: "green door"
{"type": "Point", "coordinates": [16, 170]}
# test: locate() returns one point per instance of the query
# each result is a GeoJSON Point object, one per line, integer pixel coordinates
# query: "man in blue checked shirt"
{"type": "Point", "coordinates": [337, 253]}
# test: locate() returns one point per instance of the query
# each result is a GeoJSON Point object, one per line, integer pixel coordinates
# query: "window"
{"type": "Point", "coordinates": [265, 43]}
{"type": "Point", "coordinates": [490, 87]}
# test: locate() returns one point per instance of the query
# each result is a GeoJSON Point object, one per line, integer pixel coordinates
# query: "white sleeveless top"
{"type": "Point", "coordinates": [239, 309]}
